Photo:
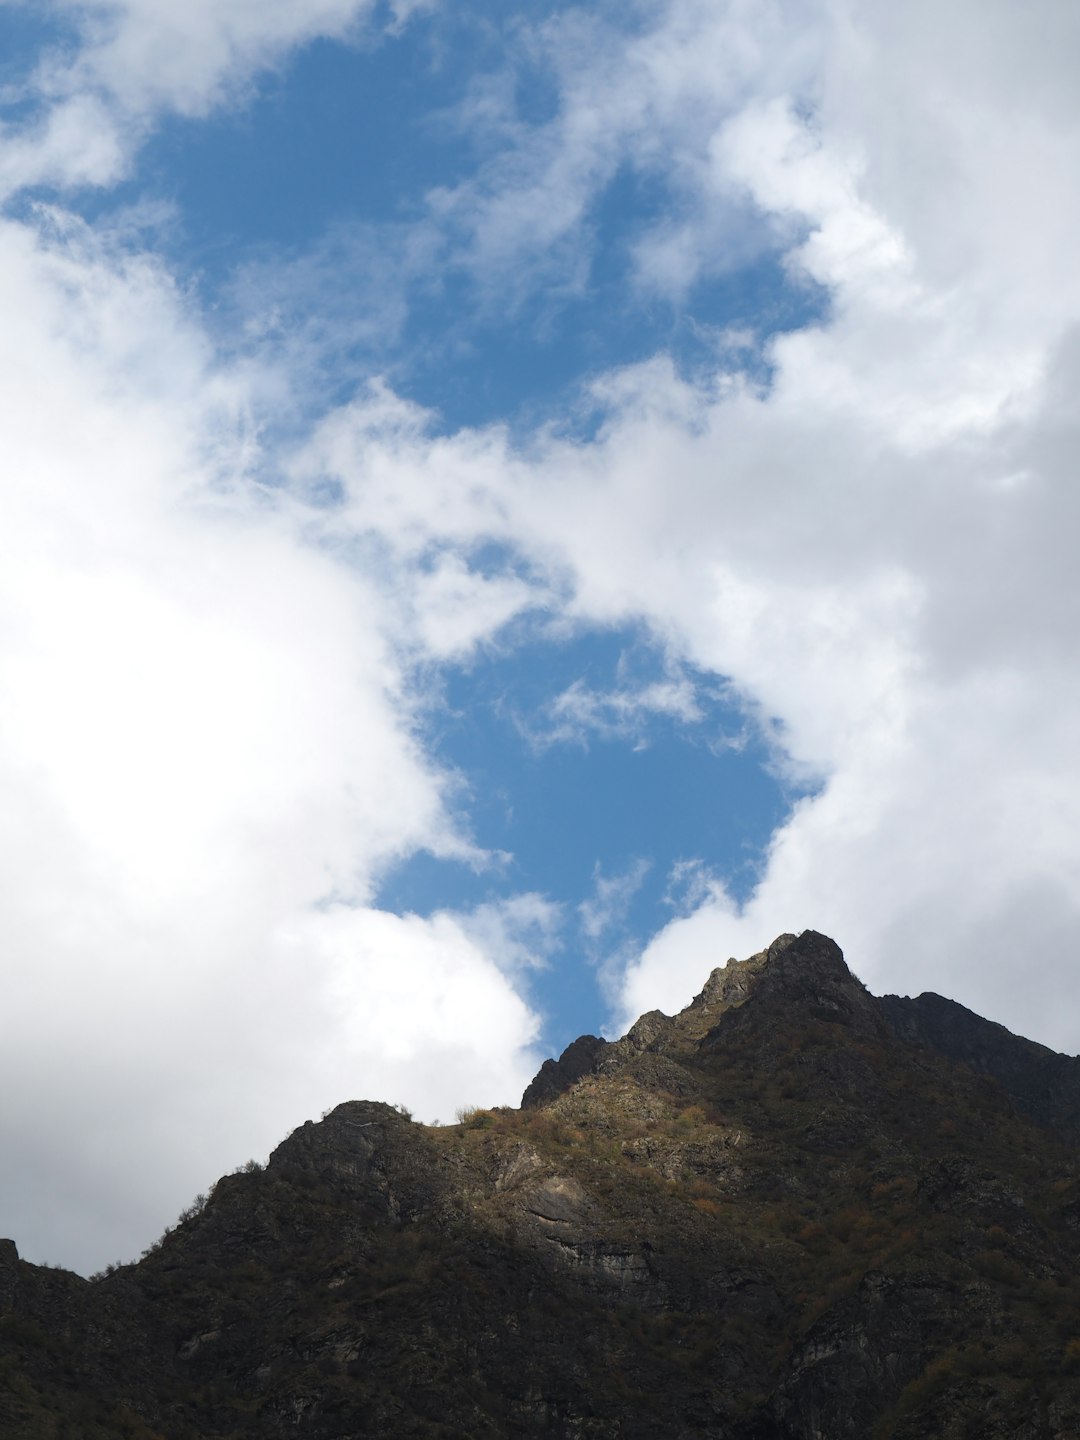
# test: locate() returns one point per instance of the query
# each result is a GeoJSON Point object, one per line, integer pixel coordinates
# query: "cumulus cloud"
{"type": "Point", "coordinates": [874, 548]}
{"type": "Point", "coordinates": [208, 754]}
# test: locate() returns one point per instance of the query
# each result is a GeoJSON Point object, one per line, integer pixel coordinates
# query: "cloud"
{"type": "Point", "coordinates": [639, 91]}
{"type": "Point", "coordinates": [690, 884]}
{"type": "Point", "coordinates": [208, 756]}
{"type": "Point", "coordinates": [579, 713]}
{"type": "Point", "coordinates": [523, 930]}
{"type": "Point", "coordinates": [148, 55]}
{"type": "Point", "coordinates": [74, 142]}
{"type": "Point", "coordinates": [118, 65]}
{"type": "Point", "coordinates": [873, 549]}
{"type": "Point", "coordinates": [605, 909]}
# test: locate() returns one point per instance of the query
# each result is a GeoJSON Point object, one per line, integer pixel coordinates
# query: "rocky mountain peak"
{"type": "Point", "coordinates": [797, 975]}
{"type": "Point", "coordinates": [807, 975]}
{"type": "Point", "coordinates": [730, 984]}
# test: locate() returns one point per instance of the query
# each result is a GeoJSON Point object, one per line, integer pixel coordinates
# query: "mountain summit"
{"type": "Point", "coordinates": [806, 973]}
{"type": "Point", "coordinates": [792, 1211]}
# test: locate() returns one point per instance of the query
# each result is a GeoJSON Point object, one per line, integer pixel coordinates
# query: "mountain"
{"type": "Point", "coordinates": [790, 1212]}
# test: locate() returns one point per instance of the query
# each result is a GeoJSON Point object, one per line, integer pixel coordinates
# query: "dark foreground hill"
{"type": "Point", "coordinates": [792, 1212]}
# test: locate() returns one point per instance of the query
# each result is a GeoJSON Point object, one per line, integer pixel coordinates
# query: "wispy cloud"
{"type": "Point", "coordinates": [116, 66]}
{"type": "Point", "coordinates": [578, 713]}
{"type": "Point", "coordinates": [690, 884]}
{"type": "Point", "coordinates": [605, 911]}
{"type": "Point", "coordinates": [523, 931]}
{"type": "Point", "coordinates": [636, 90]}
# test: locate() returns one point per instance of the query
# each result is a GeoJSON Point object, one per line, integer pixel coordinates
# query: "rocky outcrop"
{"type": "Point", "coordinates": [555, 1076]}
{"type": "Point", "coordinates": [789, 1212]}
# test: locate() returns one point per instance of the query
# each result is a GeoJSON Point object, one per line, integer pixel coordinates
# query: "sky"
{"type": "Point", "coordinates": [502, 508]}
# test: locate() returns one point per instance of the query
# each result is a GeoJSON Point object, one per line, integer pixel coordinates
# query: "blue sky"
{"type": "Point", "coordinates": [656, 805]}
{"type": "Point", "coordinates": [326, 169]}
{"type": "Point", "coordinates": [502, 508]}
{"type": "Point", "coordinates": [321, 185]}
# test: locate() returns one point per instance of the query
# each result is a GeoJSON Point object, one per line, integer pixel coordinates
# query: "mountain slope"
{"type": "Point", "coordinates": [1042, 1084]}
{"type": "Point", "coordinates": [783, 1214]}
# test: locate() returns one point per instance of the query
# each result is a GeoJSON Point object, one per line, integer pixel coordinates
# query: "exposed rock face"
{"type": "Point", "coordinates": [791, 1212]}
{"type": "Point", "coordinates": [555, 1076]}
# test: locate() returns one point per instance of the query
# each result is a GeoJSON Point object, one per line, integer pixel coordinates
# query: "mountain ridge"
{"type": "Point", "coordinates": [1044, 1083]}
{"type": "Point", "coordinates": [790, 1211]}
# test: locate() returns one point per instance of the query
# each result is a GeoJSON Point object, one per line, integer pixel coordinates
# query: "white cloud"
{"type": "Point", "coordinates": [149, 55]}
{"type": "Point", "coordinates": [74, 142]}
{"type": "Point", "coordinates": [415, 1027]}
{"type": "Point", "coordinates": [639, 90]}
{"type": "Point", "coordinates": [453, 606]}
{"type": "Point", "coordinates": [580, 713]}
{"type": "Point", "coordinates": [524, 931]}
{"type": "Point", "coordinates": [690, 884]}
{"type": "Point", "coordinates": [877, 550]}
{"type": "Point", "coordinates": [120, 64]}
{"type": "Point", "coordinates": [605, 909]}
{"type": "Point", "coordinates": [207, 756]}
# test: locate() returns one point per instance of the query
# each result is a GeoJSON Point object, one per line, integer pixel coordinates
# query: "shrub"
{"type": "Point", "coordinates": [691, 1118]}
{"type": "Point", "coordinates": [474, 1117]}
{"type": "Point", "coordinates": [707, 1206]}
{"type": "Point", "coordinates": [197, 1206]}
